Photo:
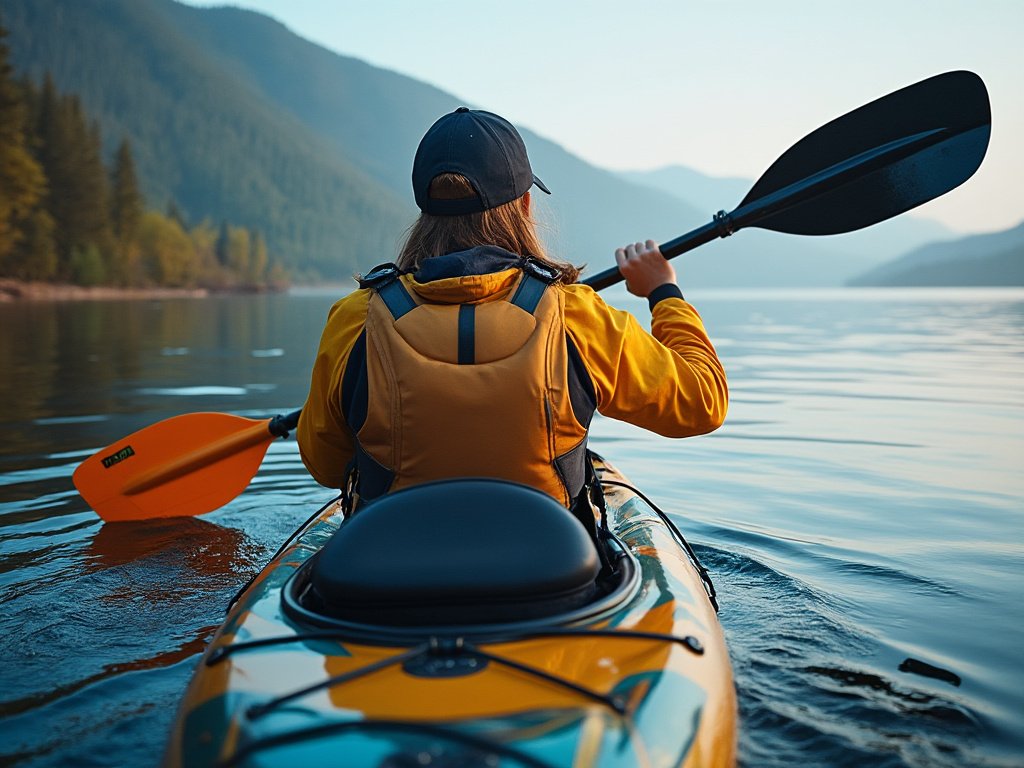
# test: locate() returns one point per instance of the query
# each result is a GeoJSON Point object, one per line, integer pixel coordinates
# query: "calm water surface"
{"type": "Point", "coordinates": [862, 506]}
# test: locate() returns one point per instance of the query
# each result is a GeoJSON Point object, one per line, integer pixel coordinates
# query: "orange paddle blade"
{"type": "Point", "coordinates": [179, 467]}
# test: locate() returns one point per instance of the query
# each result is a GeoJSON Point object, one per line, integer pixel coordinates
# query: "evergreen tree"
{"type": "Point", "coordinates": [35, 256]}
{"type": "Point", "coordinates": [239, 251]}
{"type": "Point", "coordinates": [22, 183]}
{"type": "Point", "coordinates": [95, 210]}
{"type": "Point", "coordinates": [51, 153]}
{"type": "Point", "coordinates": [175, 213]}
{"type": "Point", "coordinates": [257, 260]}
{"type": "Point", "coordinates": [204, 240]}
{"type": "Point", "coordinates": [126, 208]}
{"type": "Point", "coordinates": [125, 201]}
{"type": "Point", "coordinates": [71, 158]}
{"type": "Point", "coordinates": [223, 246]}
{"type": "Point", "coordinates": [64, 216]}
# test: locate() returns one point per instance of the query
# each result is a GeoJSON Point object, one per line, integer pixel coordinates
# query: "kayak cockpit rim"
{"type": "Point", "coordinates": [626, 584]}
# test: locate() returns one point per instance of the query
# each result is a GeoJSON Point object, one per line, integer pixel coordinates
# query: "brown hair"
{"type": "Point", "coordinates": [508, 226]}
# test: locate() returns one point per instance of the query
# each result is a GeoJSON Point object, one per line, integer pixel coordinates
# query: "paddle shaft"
{"type": "Point", "coordinates": [725, 224]}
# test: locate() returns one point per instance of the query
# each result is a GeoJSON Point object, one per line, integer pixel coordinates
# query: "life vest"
{"type": "Point", "coordinates": [492, 388]}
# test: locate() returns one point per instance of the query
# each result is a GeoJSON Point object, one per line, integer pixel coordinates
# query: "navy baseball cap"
{"type": "Point", "coordinates": [481, 146]}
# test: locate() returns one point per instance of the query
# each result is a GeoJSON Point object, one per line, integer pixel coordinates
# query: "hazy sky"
{"type": "Point", "coordinates": [723, 86]}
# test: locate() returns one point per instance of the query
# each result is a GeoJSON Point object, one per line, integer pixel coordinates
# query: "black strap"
{"type": "Point", "coordinates": [527, 295]}
{"type": "Point", "coordinates": [594, 490]}
{"type": "Point", "coordinates": [366, 479]}
{"type": "Point", "coordinates": [384, 280]}
{"type": "Point", "coordinates": [350, 489]}
{"type": "Point", "coordinates": [582, 508]}
{"type": "Point", "coordinates": [355, 395]}
{"type": "Point", "coordinates": [467, 334]}
{"type": "Point", "coordinates": [584, 512]}
{"type": "Point", "coordinates": [537, 276]}
{"type": "Point", "coordinates": [582, 395]}
{"type": "Point", "coordinates": [396, 298]}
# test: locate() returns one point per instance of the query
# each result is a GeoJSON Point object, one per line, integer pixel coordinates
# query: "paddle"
{"type": "Point", "coordinates": [867, 166]}
{"type": "Point", "coordinates": [178, 467]}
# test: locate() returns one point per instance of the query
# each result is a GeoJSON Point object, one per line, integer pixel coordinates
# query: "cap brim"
{"type": "Point", "coordinates": [540, 185]}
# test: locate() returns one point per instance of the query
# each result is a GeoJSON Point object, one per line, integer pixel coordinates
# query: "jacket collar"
{"type": "Point", "coordinates": [480, 260]}
{"type": "Point", "coordinates": [478, 274]}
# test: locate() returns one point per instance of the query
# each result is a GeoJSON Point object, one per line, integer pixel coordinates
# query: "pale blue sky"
{"type": "Point", "coordinates": [723, 86]}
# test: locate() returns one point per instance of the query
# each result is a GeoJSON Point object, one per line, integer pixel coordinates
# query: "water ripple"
{"type": "Point", "coordinates": [734, 435]}
{"type": "Point", "coordinates": [859, 512]}
{"type": "Point", "coordinates": [194, 391]}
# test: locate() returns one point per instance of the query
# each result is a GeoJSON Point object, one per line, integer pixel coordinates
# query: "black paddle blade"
{"type": "Point", "coordinates": [876, 162]}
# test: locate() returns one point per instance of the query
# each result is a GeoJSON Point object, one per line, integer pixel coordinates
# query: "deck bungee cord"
{"type": "Point", "coordinates": [449, 648]}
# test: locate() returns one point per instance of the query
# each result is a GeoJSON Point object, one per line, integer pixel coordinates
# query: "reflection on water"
{"type": "Point", "coordinates": [860, 512]}
{"type": "Point", "coordinates": [187, 650]}
{"type": "Point", "coordinates": [100, 587]}
{"type": "Point", "coordinates": [204, 550]}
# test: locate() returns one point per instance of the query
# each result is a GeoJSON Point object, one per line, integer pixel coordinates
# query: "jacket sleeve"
{"type": "Point", "coordinates": [326, 443]}
{"type": "Point", "coordinates": [669, 381]}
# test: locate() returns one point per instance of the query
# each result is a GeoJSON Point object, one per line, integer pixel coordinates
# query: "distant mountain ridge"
{"type": "Point", "coordinates": [232, 115]}
{"type": "Point", "coordinates": [698, 189]}
{"type": "Point", "coordinates": [991, 259]}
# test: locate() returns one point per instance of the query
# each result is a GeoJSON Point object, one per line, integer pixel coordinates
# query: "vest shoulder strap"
{"type": "Point", "coordinates": [383, 279]}
{"type": "Point", "coordinates": [537, 276]}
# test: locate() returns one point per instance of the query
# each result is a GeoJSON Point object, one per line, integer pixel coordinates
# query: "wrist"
{"type": "Point", "coordinates": [662, 292]}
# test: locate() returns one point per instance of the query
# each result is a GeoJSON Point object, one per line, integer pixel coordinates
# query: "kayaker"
{"type": "Point", "coordinates": [477, 354]}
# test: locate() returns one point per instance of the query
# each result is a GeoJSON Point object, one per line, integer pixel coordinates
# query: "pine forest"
{"type": "Point", "coordinates": [68, 217]}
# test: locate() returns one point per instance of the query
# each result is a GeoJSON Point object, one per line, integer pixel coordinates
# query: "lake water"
{"type": "Point", "coordinates": [862, 506]}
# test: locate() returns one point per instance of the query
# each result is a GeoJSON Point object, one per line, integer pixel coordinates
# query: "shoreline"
{"type": "Point", "coordinates": [12, 290]}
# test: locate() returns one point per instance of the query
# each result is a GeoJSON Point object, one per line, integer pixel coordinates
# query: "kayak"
{"type": "Point", "coordinates": [469, 624]}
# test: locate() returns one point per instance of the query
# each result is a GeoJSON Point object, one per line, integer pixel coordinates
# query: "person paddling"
{"type": "Point", "coordinates": [478, 355]}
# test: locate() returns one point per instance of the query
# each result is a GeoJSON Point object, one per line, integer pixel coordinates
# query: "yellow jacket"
{"type": "Point", "coordinates": [671, 382]}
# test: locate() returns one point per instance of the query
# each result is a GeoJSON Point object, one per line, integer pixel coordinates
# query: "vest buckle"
{"type": "Point", "coordinates": [380, 276]}
{"type": "Point", "coordinates": [538, 269]}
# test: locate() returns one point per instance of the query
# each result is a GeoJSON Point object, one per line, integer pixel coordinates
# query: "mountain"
{"type": "Point", "coordinates": [693, 187]}
{"type": "Point", "coordinates": [995, 258]}
{"type": "Point", "coordinates": [201, 138]}
{"type": "Point", "coordinates": [232, 116]}
{"type": "Point", "coordinates": [375, 118]}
